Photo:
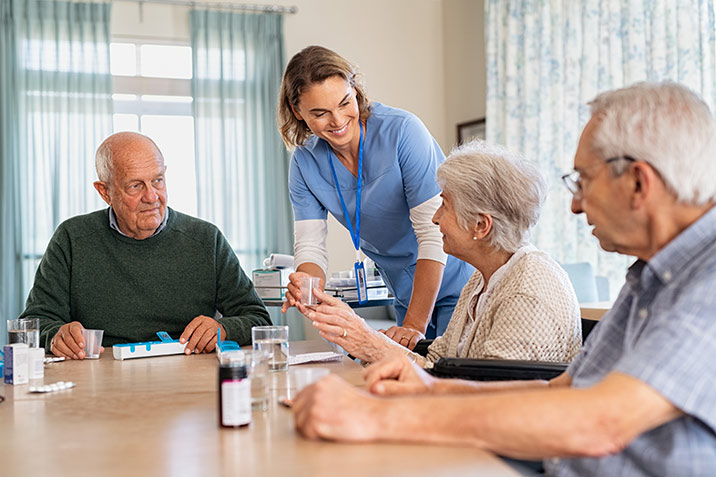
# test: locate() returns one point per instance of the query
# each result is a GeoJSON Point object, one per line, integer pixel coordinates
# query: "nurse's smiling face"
{"type": "Point", "coordinates": [331, 112]}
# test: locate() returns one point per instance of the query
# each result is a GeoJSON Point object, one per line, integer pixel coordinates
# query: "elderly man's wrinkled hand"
{"type": "Point", "coordinates": [335, 410]}
{"type": "Point", "coordinates": [68, 341]}
{"type": "Point", "coordinates": [200, 335]}
{"type": "Point", "coordinates": [397, 375]}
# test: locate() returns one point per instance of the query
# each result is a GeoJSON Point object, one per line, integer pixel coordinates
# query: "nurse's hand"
{"type": "Point", "coordinates": [293, 294]}
{"type": "Point", "coordinates": [402, 335]}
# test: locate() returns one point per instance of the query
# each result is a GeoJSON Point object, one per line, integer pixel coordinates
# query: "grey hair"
{"type": "Point", "coordinates": [482, 179]}
{"type": "Point", "coordinates": [666, 125]}
{"type": "Point", "coordinates": [103, 162]}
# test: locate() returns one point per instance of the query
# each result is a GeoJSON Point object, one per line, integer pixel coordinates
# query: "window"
{"type": "Point", "coordinates": [62, 111]}
{"type": "Point", "coordinates": [152, 95]}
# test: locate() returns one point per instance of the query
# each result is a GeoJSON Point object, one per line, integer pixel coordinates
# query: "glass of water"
{"type": "Point", "coordinates": [24, 330]}
{"type": "Point", "coordinates": [273, 340]}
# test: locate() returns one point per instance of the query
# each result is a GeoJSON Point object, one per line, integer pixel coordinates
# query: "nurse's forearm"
{"type": "Point", "coordinates": [313, 270]}
{"type": "Point", "coordinates": [426, 285]}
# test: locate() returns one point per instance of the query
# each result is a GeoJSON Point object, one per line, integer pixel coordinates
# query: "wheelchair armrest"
{"type": "Point", "coordinates": [496, 369]}
{"type": "Point", "coordinates": [421, 347]}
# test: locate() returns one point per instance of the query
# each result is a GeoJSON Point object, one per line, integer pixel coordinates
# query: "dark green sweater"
{"type": "Point", "coordinates": [133, 288]}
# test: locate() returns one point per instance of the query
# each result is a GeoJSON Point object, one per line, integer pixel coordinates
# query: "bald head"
{"type": "Point", "coordinates": [131, 181]}
{"type": "Point", "coordinates": [119, 147]}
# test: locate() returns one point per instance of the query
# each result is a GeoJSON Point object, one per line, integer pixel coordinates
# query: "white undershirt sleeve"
{"type": "Point", "coordinates": [310, 243]}
{"type": "Point", "coordinates": [430, 240]}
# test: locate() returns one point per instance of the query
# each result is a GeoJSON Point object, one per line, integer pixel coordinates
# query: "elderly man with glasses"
{"type": "Point", "coordinates": [640, 398]}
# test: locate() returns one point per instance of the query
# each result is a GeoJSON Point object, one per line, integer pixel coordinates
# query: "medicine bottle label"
{"type": "Point", "coordinates": [235, 402]}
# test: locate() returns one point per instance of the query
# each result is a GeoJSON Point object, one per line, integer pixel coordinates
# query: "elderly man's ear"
{"type": "Point", "coordinates": [103, 190]}
{"type": "Point", "coordinates": [644, 182]}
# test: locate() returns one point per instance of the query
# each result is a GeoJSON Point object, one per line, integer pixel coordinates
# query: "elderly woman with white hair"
{"type": "Point", "coordinates": [519, 303]}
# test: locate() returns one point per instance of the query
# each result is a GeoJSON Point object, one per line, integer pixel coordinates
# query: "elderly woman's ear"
{"type": "Point", "coordinates": [482, 227]}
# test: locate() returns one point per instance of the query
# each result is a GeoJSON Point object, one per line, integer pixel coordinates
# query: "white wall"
{"type": "Point", "coordinates": [411, 53]}
{"type": "Point", "coordinates": [465, 74]}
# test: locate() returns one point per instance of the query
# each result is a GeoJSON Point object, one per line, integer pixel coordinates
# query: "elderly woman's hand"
{"type": "Point", "coordinates": [337, 323]}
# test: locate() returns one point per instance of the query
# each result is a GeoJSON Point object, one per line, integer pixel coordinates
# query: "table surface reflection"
{"type": "Point", "coordinates": [158, 416]}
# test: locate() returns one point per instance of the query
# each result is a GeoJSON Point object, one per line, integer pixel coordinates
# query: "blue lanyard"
{"type": "Point", "coordinates": [355, 234]}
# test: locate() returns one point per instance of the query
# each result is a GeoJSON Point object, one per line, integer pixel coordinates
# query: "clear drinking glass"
{"type": "Point", "coordinates": [301, 377]}
{"type": "Point", "coordinates": [24, 330]}
{"type": "Point", "coordinates": [307, 286]}
{"type": "Point", "coordinates": [93, 342]}
{"type": "Point", "coordinates": [274, 341]}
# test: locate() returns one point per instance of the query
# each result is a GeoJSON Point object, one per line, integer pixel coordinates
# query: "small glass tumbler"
{"type": "Point", "coordinates": [93, 342]}
{"type": "Point", "coordinates": [301, 377]}
{"type": "Point", "coordinates": [274, 341]}
{"type": "Point", "coordinates": [308, 298]}
{"type": "Point", "coordinates": [24, 330]}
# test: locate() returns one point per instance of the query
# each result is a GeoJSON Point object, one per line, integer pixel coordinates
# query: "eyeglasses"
{"type": "Point", "coordinates": [573, 180]}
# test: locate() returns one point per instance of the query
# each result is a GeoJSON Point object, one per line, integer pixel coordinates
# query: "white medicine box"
{"type": "Point", "coordinates": [271, 284]}
{"type": "Point", "coordinates": [16, 363]}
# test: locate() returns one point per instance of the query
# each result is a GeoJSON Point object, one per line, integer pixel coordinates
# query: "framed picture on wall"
{"type": "Point", "coordinates": [469, 130]}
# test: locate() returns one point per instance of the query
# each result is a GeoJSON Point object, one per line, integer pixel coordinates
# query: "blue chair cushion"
{"type": "Point", "coordinates": [582, 277]}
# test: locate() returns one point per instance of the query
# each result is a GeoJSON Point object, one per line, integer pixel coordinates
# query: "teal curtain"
{"type": "Point", "coordinates": [241, 162]}
{"type": "Point", "coordinates": [547, 58]}
{"type": "Point", "coordinates": [55, 109]}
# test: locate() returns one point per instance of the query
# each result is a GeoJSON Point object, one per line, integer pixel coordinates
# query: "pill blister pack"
{"type": "Point", "coordinates": [319, 357]}
{"type": "Point", "coordinates": [53, 359]}
{"type": "Point", "coordinates": [48, 388]}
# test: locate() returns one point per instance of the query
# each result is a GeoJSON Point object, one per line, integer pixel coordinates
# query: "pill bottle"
{"type": "Point", "coordinates": [234, 393]}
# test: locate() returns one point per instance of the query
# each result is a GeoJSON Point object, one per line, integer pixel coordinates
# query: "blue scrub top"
{"type": "Point", "coordinates": [399, 172]}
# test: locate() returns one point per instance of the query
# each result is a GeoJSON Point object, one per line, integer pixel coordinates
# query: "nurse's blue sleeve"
{"type": "Point", "coordinates": [305, 205]}
{"type": "Point", "coordinates": [419, 157]}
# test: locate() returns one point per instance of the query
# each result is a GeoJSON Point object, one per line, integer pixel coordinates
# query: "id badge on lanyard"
{"type": "Point", "coordinates": [361, 284]}
{"type": "Point", "coordinates": [358, 267]}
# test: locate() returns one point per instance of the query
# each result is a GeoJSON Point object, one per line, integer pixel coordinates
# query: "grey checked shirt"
{"type": "Point", "coordinates": [115, 226]}
{"type": "Point", "coordinates": [662, 331]}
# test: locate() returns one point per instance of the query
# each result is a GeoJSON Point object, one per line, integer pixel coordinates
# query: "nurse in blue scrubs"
{"type": "Point", "coordinates": [373, 168]}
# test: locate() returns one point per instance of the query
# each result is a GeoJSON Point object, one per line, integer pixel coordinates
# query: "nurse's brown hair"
{"type": "Point", "coordinates": [312, 65]}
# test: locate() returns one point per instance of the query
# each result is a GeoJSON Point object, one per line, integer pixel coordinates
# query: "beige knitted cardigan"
{"type": "Point", "coordinates": [531, 314]}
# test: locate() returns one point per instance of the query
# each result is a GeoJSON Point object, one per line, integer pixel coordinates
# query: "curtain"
{"type": "Point", "coordinates": [547, 58]}
{"type": "Point", "coordinates": [55, 109]}
{"type": "Point", "coordinates": [241, 162]}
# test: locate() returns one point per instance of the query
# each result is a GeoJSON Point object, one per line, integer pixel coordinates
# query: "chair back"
{"type": "Point", "coordinates": [587, 327]}
{"type": "Point", "coordinates": [582, 277]}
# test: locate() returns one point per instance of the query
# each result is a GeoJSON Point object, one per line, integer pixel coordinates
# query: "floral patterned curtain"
{"type": "Point", "coordinates": [547, 58]}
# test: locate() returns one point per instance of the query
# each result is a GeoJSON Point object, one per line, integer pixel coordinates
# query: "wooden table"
{"type": "Point", "coordinates": [595, 310]}
{"type": "Point", "coordinates": [158, 417]}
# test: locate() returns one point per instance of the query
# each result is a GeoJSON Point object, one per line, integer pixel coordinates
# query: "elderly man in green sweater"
{"type": "Point", "coordinates": [139, 267]}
